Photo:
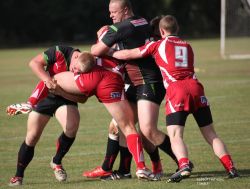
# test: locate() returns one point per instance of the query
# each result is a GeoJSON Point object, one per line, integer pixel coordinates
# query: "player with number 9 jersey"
{"type": "Point", "coordinates": [174, 57]}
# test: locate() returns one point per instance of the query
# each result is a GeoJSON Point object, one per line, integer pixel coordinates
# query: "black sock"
{"type": "Point", "coordinates": [25, 155]}
{"type": "Point", "coordinates": [154, 156]}
{"type": "Point", "coordinates": [166, 147]}
{"type": "Point", "coordinates": [111, 154]}
{"type": "Point", "coordinates": [125, 160]}
{"type": "Point", "coordinates": [63, 145]}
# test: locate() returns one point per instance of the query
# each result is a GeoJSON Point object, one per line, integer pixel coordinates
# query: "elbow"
{"type": "Point", "coordinates": [31, 64]}
{"type": "Point", "coordinates": [94, 51]}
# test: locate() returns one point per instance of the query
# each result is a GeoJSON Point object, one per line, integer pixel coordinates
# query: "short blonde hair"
{"type": "Point", "coordinates": [86, 61]}
{"type": "Point", "coordinates": [169, 23]}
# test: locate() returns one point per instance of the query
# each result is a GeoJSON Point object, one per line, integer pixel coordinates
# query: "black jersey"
{"type": "Point", "coordinates": [58, 59]}
{"type": "Point", "coordinates": [132, 33]}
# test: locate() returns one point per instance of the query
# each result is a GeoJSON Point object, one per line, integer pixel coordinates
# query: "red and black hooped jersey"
{"type": "Point", "coordinates": [132, 33]}
{"type": "Point", "coordinates": [58, 58]}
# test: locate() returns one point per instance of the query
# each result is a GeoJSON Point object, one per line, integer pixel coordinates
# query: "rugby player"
{"type": "Point", "coordinates": [146, 90]}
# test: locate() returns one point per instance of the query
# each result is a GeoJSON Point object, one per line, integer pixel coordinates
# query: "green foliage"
{"type": "Point", "coordinates": [227, 88]}
{"type": "Point", "coordinates": [46, 21]}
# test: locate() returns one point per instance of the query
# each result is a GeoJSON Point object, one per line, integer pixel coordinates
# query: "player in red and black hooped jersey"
{"type": "Point", "coordinates": [52, 61]}
{"type": "Point", "coordinates": [146, 90]}
{"type": "Point", "coordinates": [131, 33]}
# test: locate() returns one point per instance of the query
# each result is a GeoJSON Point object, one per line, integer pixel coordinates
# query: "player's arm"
{"type": "Point", "coordinates": [99, 49]}
{"type": "Point", "coordinates": [37, 65]}
{"type": "Point", "coordinates": [127, 54]}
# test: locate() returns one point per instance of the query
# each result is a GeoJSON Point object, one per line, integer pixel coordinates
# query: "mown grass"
{"type": "Point", "coordinates": [227, 85]}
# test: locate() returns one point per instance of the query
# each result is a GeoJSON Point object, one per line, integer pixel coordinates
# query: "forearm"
{"type": "Point", "coordinates": [37, 66]}
{"type": "Point", "coordinates": [127, 54]}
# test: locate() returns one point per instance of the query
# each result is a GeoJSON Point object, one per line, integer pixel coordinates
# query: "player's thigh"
{"type": "Point", "coordinates": [67, 82]}
{"type": "Point", "coordinates": [175, 131]}
{"type": "Point", "coordinates": [68, 116]}
{"type": "Point", "coordinates": [123, 115]}
{"type": "Point", "coordinates": [35, 126]}
{"type": "Point", "coordinates": [148, 113]}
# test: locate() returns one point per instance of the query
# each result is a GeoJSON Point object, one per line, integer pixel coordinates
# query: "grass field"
{"type": "Point", "coordinates": [227, 85]}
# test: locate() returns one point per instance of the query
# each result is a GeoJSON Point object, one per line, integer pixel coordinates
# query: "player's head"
{"type": "Point", "coordinates": [120, 10]}
{"type": "Point", "coordinates": [168, 26]}
{"type": "Point", "coordinates": [85, 62]}
{"type": "Point", "coordinates": [154, 24]}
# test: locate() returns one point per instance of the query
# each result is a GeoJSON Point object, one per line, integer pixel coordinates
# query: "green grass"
{"type": "Point", "coordinates": [227, 85]}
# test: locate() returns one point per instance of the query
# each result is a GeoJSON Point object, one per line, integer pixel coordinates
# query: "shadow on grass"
{"type": "Point", "coordinates": [242, 173]}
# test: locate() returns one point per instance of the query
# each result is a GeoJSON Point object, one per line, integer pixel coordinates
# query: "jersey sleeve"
{"type": "Point", "coordinates": [150, 48]}
{"type": "Point", "coordinates": [50, 55]}
{"type": "Point", "coordinates": [115, 33]}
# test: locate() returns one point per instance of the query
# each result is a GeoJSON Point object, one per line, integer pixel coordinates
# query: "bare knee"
{"type": "Point", "coordinates": [71, 129]}
{"type": "Point", "coordinates": [113, 127]}
{"type": "Point", "coordinates": [209, 133]}
{"type": "Point", "coordinates": [32, 138]}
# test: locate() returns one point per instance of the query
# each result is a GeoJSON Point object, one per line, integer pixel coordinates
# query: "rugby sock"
{"type": "Point", "coordinates": [135, 147]}
{"type": "Point", "coordinates": [25, 155]}
{"type": "Point", "coordinates": [154, 156]}
{"type": "Point", "coordinates": [227, 162]}
{"type": "Point", "coordinates": [165, 146]}
{"type": "Point", "coordinates": [111, 152]}
{"type": "Point", "coordinates": [183, 162]}
{"type": "Point", "coordinates": [125, 160]}
{"type": "Point", "coordinates": [155, 161]}
{"type": "Point", "coordinates": [63, 145]}
{"type": "Point", "coordinates": [39, 93]}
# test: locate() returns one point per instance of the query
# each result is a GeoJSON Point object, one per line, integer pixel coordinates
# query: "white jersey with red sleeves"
{"type": "Point", "coordinates": [174, 57]}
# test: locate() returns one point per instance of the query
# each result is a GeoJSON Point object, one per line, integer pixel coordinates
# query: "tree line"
{"type": "Point", "coordinates": [32, 21]}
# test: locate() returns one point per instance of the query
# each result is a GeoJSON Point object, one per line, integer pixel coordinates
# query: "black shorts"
{"type": "Point", "coordinates": [202, 116]}
{"type": "Point", "coordinates": [49, 105]}
{"type": "Point", "coordinates": [154, 92]}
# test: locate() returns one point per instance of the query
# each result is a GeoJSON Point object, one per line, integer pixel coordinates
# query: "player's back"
{"type": "Point", "coordinates": [176, 57]}
{"type": "Point", "coordinates": [58, 58]}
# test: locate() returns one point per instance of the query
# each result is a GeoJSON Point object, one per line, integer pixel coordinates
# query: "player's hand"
{"type": "Point", "coordinates": [50, 83]}
{"type": "Point", "coordinates": [102, 31]}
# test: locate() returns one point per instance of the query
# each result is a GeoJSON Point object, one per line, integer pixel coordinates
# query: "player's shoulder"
{"type": "Point", "coordinates": [131, 22]}
{"type": "Point", "coordinates": [64, 48]}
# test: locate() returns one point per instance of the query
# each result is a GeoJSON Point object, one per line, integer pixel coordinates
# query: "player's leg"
{"type": "Point", "coordinates": [148, 117]}
{"type": "Point", "coordinates": [203, 118]}
{"type": "Point", "coordinates": [123, 114]}
{"type": "Point", "coordinates": [112, 150]}
{"type": "Point", "coordinates": [149, 100]}
{"type": "Point", "coordinates": [175, 126]}
{"type": "Point", "coordinates": [39, 93]}
{"type": "Point", "coordinates": [69, 118]}
{"type": "Point", "coordinates": [35, 125]}
{"type": "Point", "coordinates": [123, 171]}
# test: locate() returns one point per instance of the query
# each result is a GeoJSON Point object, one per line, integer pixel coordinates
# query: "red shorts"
{"type": "Point", "coordinates": [107, 86]}
{"type": "Point", "coordinates": [185, 95]}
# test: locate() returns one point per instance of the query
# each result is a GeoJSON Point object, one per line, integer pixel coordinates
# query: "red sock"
{"type": "Point", "coordinates": [135, 147]}
{"type": "Point", "coordinates": [183, 162]}
{"type": "Point", "coordinates": [227, 162]}
{"type": "Point", "coordinates": [39, 93]}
